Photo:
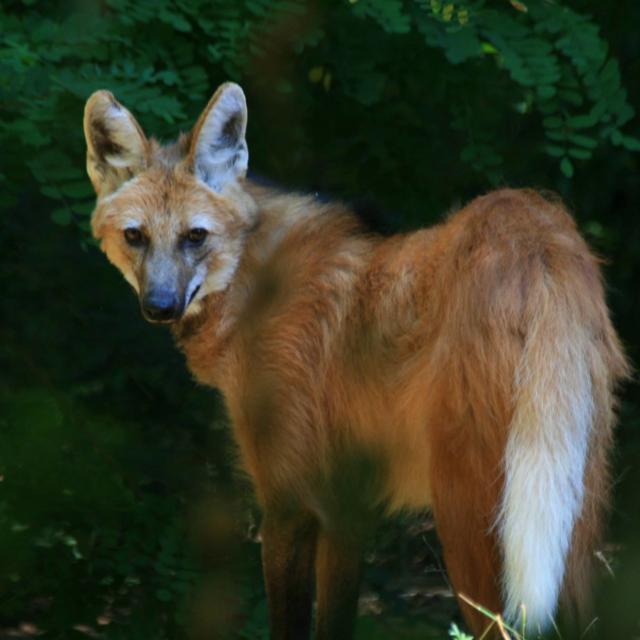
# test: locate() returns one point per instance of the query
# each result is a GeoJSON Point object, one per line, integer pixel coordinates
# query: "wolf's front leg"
{"type": "Point", "coordinates": [338, 571]}
{"type": "Point", "coordinates": [288, 554]}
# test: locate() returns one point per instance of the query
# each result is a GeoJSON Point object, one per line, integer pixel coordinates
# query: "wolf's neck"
{"type": "Point", "coordinates": [294, 240]}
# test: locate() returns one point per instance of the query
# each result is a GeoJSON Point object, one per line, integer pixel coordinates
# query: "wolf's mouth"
{"type": "Point", "coordinates": [193, 295]}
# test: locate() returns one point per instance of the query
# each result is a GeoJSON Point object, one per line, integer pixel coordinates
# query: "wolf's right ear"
{"type": "Point", "coordinates": [218, 152]}
{"type": "Point", "coordinates": [117, 148]}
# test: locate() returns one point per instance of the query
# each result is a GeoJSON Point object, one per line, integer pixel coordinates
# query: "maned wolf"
{"type": "Point", "coordinates": [468, 368]}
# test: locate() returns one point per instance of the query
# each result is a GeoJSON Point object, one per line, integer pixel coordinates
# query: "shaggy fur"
{"type": "Point", "coordinates": [468, 368]}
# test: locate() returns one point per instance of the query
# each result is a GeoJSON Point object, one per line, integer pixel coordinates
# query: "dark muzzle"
{"type": "Point", "coordinates": [161, 305]}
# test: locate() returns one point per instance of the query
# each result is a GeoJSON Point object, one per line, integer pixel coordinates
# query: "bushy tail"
{"type": "Point", "coordinates": [555, 461]}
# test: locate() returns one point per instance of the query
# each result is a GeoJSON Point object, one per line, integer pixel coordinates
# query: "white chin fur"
{"type": "Point", "coordinates": [192, 306]}
{"type": "Point", "coordinates": [209, 283]}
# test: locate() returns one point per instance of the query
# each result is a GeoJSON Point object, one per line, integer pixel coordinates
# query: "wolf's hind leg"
{"type": "Point", "coordinates": [466, 485]}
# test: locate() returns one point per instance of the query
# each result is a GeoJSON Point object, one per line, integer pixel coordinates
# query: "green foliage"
{"type": "Point", "coordinates": [456, 634]}
{"type": "Point", "coordinates": [99, 525]}
{"type": "Point", "coordinates": [548, 68]}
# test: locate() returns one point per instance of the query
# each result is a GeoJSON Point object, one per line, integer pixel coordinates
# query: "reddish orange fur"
{"type": "Point", "coordinates": [409, 341]}
{"type": "Point", "coordinates": [346, 357]}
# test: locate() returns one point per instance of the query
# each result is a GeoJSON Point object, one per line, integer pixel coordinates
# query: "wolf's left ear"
{"type": "Point", "coordinates": [219, 153]}
{"type": "Point", "coordinates": [116, 146]}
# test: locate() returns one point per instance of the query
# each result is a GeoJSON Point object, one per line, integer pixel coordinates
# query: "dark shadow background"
{"type": "Point", "coordinates": [122, 514]}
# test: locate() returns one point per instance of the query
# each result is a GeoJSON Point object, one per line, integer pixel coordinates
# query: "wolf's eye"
{"type": "Point", "coordinates": [134, 237]}
{"type": "Point", "coordinates": [196, 235]}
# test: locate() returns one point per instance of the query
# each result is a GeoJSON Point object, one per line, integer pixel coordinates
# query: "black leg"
{"type": "Point", "coordinates": [338, 571]}
{"type": "Point", "coordinates": [288, 552]}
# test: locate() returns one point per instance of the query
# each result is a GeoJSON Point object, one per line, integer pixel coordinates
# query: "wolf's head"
{"type": "Point", "coordinates": [172, 219]}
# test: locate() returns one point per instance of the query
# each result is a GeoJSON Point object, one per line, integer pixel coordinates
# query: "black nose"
{"type": "Point", "coordinates": [161, 306]}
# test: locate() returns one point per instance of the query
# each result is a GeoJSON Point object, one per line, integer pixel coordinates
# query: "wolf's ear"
{"type": "Point", "coordinates": [116, 146]}
{"type": "Point", "coordinates": [218, 151]}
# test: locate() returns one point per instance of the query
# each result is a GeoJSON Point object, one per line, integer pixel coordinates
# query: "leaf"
{"type": "Point", "coordinates": [546, 91]}
{"type": "Point", "coordinates": [79, 189]}
{"type": "Point", "coordinates": [488, 48]}
{"type": "Point", "coordinates": [631, 143]}
{"type": "Point", "coordinates": [575, 98]}
{"type": "Point", "coordinates": [61, 216]}
{"type": "Point", "coordinates": [582, 121]}
{"type": "Point", "coordinates": [566, 167]}
{"type": "Point", "coordinates": [555, 150]}
{"type": "Point", "coordinates": [83, 208]}
{"type": "Point", "coordinates": [315, 74]}
{"type": "Point", "coordinates": [463, 16]}
{"type": "Point", "coordinates": [447, 12]}
{"type": "Point", "coordinates": [456, 634]}
{"type": "Point", "coordinates": [461, 45]}
{"type": "Point", "coordinates": [51, 192]}
{"type": "Point", "coordinates": [580, 154]}
{"type": "Point", "coordinates": [616, 137]}
{"type": "Point", "coordinates": [519, 6]}
{"type": "Point", "coordinates": [583, 141]}
{"type": "Point", "coordinates": [389, 14]}
{"type": "Point", "coordinates": [174, 19]}
{"type": "Point", "coordinates": [556, 135]}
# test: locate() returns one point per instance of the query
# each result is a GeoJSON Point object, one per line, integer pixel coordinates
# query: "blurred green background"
{"type": "Point", "coordinates": [121, 512]}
